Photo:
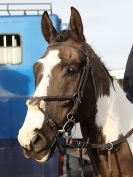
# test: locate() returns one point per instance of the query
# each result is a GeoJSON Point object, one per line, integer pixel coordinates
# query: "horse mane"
{"type": "Point", "coordinates": [67, 35]}
{"type": "Point", "coordinates": [63, 36]}
{"type": "Point", "coordinates": [102, 78]}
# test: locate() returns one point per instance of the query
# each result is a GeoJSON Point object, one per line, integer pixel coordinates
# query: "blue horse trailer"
{"type": "Point", "coordinates": [21, 44]}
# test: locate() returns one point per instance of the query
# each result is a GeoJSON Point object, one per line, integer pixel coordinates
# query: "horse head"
{"type": "Point", "coordinates": [57, 75]}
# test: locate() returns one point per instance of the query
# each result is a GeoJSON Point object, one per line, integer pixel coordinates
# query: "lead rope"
{"type": "Point", "coordinates": [82, 150]}
{"type": "Point", "coordinates": [81, 162]}
{"type": "Point", "coordinates": [95, 168]}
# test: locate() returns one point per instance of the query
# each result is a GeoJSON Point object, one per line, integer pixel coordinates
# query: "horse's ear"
{"type": "Point", "coordinates": [48, 29]}
{"type": "Point", "coordinates": [76, 24]}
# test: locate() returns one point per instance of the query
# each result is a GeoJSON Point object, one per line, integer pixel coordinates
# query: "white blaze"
{"type": "Point", "coordinates": [34, 118]}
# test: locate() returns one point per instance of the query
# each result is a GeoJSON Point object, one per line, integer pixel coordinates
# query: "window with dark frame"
{"type": "Point", "coordinates": [10, 49]}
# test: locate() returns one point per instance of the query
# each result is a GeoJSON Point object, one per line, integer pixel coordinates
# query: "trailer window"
{"type": "Point", "coordinates": [10, 49]}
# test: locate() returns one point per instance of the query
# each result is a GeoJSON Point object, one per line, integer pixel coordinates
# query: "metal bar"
{"type": "Point", "coordinates": [11, 7]}
{"type": "Point", "coordinates": [4, 39]}
{"type": "Point", "coordinates": [13, 41]}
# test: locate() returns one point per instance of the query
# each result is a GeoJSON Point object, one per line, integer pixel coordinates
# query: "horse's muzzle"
{"type": "Point", "coordinates": [39, 149]}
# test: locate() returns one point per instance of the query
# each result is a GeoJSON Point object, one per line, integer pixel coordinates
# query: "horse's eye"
{"type": "Point", "coordinates": [72, 70]}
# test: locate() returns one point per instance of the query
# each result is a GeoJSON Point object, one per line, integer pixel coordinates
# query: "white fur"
{"type": "Point", "coordinates": [115, 115]}
{"type": "Point", "coordinates": [34, 118]}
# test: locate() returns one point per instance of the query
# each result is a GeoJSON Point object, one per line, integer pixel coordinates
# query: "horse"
{"type": "Point", "coordinates": [73, 85]}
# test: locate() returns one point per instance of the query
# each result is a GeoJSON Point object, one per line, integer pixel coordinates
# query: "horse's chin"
{"type": "Point", "coordinates": [45, 158]}
{"type": "Point", "coordinates": [41, 157]}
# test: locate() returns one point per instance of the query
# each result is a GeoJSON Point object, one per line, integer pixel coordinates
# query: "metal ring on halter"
{"type": "Point", "coordinates": [69, 116]}
{"type": "Point", "coordinates": [109, 146]}
{"type": "Point", "coordinates": [71, 135]}
{"type": "Point", "coordinates": [63, 130]}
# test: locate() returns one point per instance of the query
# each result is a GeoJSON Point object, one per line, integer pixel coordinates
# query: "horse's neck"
{"type": "Point", "coordinates": [114, 118]}
{"type": "Point", "coordinates": [114, 115]}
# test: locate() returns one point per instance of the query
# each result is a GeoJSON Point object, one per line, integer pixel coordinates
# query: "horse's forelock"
{"type": "Point", "coordinates": [67, 35]}
{"type": "Point", "coordinates": [63, 36]}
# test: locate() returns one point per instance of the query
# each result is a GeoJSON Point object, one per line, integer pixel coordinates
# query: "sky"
{"type": "Point", "coordinates": [108, 26]}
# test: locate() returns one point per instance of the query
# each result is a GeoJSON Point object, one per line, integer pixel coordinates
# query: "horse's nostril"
{"type": "Point", "coordinates": [34, 140]}
{"type": "Point", "coordinates": [37, 143]}
{"type": "Point", "coordinates": [27, 147]}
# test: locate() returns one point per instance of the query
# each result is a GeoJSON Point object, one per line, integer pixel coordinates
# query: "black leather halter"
{"type": "Point", "coordinates": [76, 97]}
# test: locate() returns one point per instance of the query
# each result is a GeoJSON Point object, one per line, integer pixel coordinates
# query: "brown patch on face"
{"type": "Point", "coordinates": [38, 69]}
